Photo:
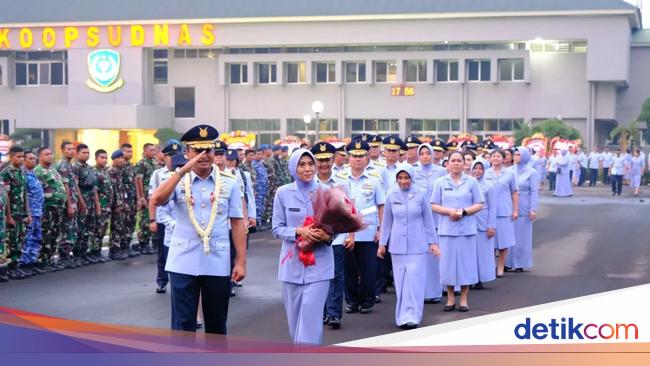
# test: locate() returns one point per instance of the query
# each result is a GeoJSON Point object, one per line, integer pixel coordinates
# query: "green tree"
{"type": "Point", "coordinates": [644, 116]}
{"type": "Point", "coordinates": [164, 134]}
{"type": "Point", "coordinates": [521, 133]}
{"type": "Point", "coordinates": [627, 135]}
{"type": "Point", "coordinates": [556, 128]}
{"type": "Point", "coordinates": [28, 138]}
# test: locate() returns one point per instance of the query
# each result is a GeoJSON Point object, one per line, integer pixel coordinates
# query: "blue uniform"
{"type": "Point", "coordinates": [486, 219]}
{"type": "Point", "coordinates": [261, 187]}
{"type": "Point", "coordinates": [165, 220]}
{"type": "Point", "coordinates": [190, 269]}
{"type": "Point", "coordinates": [505, 184]}
{"type": "Point", "coordinates": [388, 176]}
{"type": "Point", "coordinates": [458, 264]}
{"type": "Point", "coordinates": [521, 256]}
{"type": "Point", "coordinates": [408, 229]}
{"type": "Point", "coordinates": [304, 288]}
{"type": "Point", "coordinates": [34, 235]}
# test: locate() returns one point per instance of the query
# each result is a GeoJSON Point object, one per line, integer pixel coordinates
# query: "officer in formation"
{"type": "Point", "coordinates": [127, 225]}
{"type": "Point", "coordinates": [86, 179]}
{"type": "Point", "coordinates": [143, 172]}
{"type": "Point", "coordinates": [18, 213]}
{"type": "Point", "coordinates": [69, 245]}
{"type": "Point", "coordinates": [106, 195]}
{"type": "Point", "coordinates": [273, 183]}
{"type": "Point", "coordinates": [3, 231]}
{"type": "Point", "coordinates": [205, 200]}
{"type": "Point", "coordinates": [34, 189]}
{"type": "Point", "coordinates": [261, 187]}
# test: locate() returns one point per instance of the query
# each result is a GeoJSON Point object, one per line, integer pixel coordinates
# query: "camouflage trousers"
{"type": "Point", "coordinates": [260, 195]}
{"type": "Point", "coordinates": [51, 228]}
{"type": "Point", "coordinates": [144, 234]}
{"type": "Point", "coordinates": [129, 222]}
{"type": "Point", "coordinates": [68, 242]}
{"type": "Point", "coordinates": [120, 235]}
{"type": "Point", "coordinates": [85, 223]}
{"type": "Point", "coordinates": [33, 238]}
{"type": "Point", "coordinates": [99, 229]}
{"type": "Point", "coordinates": [16, 238]}
{"type": "Point", "coordinates": [268, 205]}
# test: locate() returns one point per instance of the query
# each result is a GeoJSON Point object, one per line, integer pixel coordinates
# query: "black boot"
{"type": "Point", "coordinates": [3, 274]}
{"type": "Point", "coordinates": [24, 269]}
{"type": "Point", "coordinates": [36, 270]}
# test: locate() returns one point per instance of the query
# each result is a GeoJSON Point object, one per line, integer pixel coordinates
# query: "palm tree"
{"type": "Point", "coordinates": [628, 135]}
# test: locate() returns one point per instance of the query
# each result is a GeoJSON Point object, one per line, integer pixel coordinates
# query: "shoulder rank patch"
{"type": "Point", "coordinates": [374, 174]}
{"type": "Point", "coordinates": [228, 174]}
{"type": "Point", "coordinates": [379, 163]}
{"type": "Point", "coordinates": [343, 175]}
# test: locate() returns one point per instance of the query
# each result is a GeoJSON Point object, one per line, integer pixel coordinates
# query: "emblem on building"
{"type": "Point", "coordinates": [104, 70]}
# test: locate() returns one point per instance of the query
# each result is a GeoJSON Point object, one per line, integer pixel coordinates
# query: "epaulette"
{"type": "Point", "coordinates": [228, 174]}
{"type": "Point", "coordinates": [342, 175]}
{"type": "Point", "coordinates": [373, 173]}
{"type": "Point", "coordinates": [379, 163]}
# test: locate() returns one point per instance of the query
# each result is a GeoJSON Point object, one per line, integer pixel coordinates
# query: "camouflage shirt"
{"type": "Point", "coordinates": [64, 167]}
{"type": "Point", "coordinates": [53, 189]}
{"type": "Point", "coordinates": [34, 193]}
{"type": "Point", "coordinates": [14, 181]}
{"type": "Point", "coordinates": [144, 170]}
{"type": "Point", "coordinates": [119, 190]}
{"type": "Point", "coordinates": [3, 229]}
{"type": "Point", "coordinates": [104, 187]}
{"type": "Point", "coordinates": [86, 179]}
{"type": "Point", "coordinates": [128, 178]}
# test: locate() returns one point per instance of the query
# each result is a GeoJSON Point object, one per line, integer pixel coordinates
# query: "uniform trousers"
{"type": "Point", "coordinates": [360, 274]}
{"type": "Point", "coordinates": [605, 175]}
{"type": "Point", "coordinates": [617, 183]}
{"type": "Point", "coordinates": [593, 177]}
{"type": "Point", "coordinates": [162, 277]}
{"type": "Point", "coordinates": [215, 295]}
{"type": "Point", "coordinates": [33, 237]}
{"type": "Point", "coordinates": [334, 305]}
{"type": "Point", "coordinates": [304, 306]}
{"type": "Point", "coordinates": [409, 272]}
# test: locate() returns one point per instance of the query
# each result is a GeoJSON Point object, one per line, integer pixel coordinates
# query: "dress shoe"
{"type": "Point", "coordinates": [90, 259]}
{"type": "Point", "coordinates": [351, 308]}
{"type": "Point", "coordinates": [27, 273]}
{"type": "Point", "coordinates": [365, 309]}
{"type": "Point", "coordinates": [199, 324]}
{"type": "Point", "coordinates": [479, 286]}
{"type": "Point", "coordinates": [49, 269]}
{"type": "Point", "coordinates": [14, 275]}
{"type": "Point", "coordinates": [335, 323]}
{"type": "Point", "coordinates": [519, 270]}
{"type": "Point", "coordinates": [3, 275]}
{"type": "Point", "coordinates": [36, 270]}
{"type": "Point", "coordinates": [432, 301]}
{"type": "Point", "coordinates": [68, 263]}
{"type": "Point", "coordinates": [377, 299]}
{"type": "Point", "coordinates": [408, 326]}
{"type": "Point", "coordinates": [463, 308]}
{"type": "Point", "coordinates": [449, 308]}
{"type": "Point", "coordinates": [161, 289]}
{"type": "Point", "coordinates": [326, 319]}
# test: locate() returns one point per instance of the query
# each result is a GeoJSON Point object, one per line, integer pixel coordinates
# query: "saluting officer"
{"type": "Point", "coordinates": [198, 261]}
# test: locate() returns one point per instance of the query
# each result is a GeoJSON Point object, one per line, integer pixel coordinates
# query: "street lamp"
{"type": "Point", "coordinates": [307, 119]}
{"type": "Point", "coordinates": [317, 108]}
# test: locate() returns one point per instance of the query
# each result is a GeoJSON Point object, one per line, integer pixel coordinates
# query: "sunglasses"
{"type": "Point", "coordinates": [198, 151]}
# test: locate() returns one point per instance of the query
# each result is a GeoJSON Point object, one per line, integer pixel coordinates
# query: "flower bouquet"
{"type": "Point", "coordinates": [334, 213]}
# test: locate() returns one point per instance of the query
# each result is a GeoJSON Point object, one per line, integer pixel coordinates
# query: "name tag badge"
{"type": "Point", "coordinates": [291, 209]}
{"type": "Point", "coordinates": [449, 189]}
{"type": "Point", "coordinates": [397, 203]}
{"type": "Point", "coordinates": [367, 186]}
{"type": "Point", "coordinates": [368, 210]}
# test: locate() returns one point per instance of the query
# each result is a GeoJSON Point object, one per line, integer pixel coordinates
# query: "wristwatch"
{"type": "Point", "coordinates": [152, 220]}
{"type": "Point", "coordinates": [465, 212]}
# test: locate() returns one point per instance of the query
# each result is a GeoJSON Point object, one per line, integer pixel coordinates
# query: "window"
{"type": "Point", "coordinates": [238, 73]}
{"type": "Point", "coordinates": [41, 68]}
{"type": "Point", "coordinates": [416, 71]}
{"type": "Point", "coordinates": [386, 71]}
{"type": "Point", "coordinates": [184, 103]}
{"type": "Point", "coordinates": [446, 71]}
{"type": "Point", "coordinates": [478, 70]}
{"type": "Point", "coordinates": [195, 53]}
{"type": "Point", "coordinates": [267, 131]}
{"type": "Point", "coordinates": [325, 72]}
{"type": "Point", "coordinates": [326, 128]}
{"type": "Point", "coordinates": [355, 72]}
{"type": "Point", "coordinates": [511, 69]}
{"type": "Point", "coordinates": [492, 126]}
{"type": "Point", "coordinates": [160, 67]}
{"type": "Point", "coordinates": [267, 73]}
{"type": "Point", "coordinates": [374, 126]}
{"type": "Point", "coordinates": [296, 72]}
{"type": "Point", "coordinates": [442, 128]}
{"type": "Point", "coordinates": [4, 127]}
{"type": "Point", "coordinates": [1, 80]}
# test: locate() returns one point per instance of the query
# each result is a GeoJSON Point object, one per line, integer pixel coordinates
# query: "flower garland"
{"type": "Point", "coordinates": [204, 234]}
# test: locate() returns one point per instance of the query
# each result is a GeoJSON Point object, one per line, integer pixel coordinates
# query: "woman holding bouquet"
{"type": "Point", "coordinates": [457, 197]}
{"type": "Point", "coordinates": [409, 229]}
{"type": "Point", "coordinates": [304, 288]}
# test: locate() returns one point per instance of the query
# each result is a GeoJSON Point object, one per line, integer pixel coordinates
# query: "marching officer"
{"type": "Point", "coordinates": [3, 230]}
{"type": "Point", "coordinates": [198, 261]}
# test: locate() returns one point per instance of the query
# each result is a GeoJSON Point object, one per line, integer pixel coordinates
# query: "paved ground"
{"type": "Point", "coordinates": [585, 244]}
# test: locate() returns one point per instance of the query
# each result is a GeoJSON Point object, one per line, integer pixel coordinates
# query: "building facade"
{"type": "Point", "coordinates": [404, 68]}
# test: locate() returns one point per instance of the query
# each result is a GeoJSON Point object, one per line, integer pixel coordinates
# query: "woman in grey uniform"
{"type": "Point", "coordinates": [304, 288]}
{"type": "Point", "coordinates": [456, 198]}
{"type": "Point", "coordinates": [408, 228]}
{"type": "Point", "coordinates": [507, 205]}
{"type": "Point", "coordinates": [486, 220]}
{"type": "Point", "coordinates": [528, 179]}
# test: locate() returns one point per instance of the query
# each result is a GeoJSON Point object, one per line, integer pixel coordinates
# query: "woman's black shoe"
{"type": "Point", "coordinates": [478, 286]}
{"type": "Point", "coordinates": [463, 309]}
{"type": "Point", "coordinates": [449, 307]}
{"type": "Point", "coordinates": [519, 270]}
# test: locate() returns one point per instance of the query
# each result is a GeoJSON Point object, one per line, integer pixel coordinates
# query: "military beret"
{"type": "Point", "coordinates": [285, 148]}
{"type": "Point", "coordinates": [276, 148]}
{"type": "Point", "coordinates": [358, 148]}
{"type": "Point", "coordinates": [117, 154]}
{"type": "Point", "coordinates": [200, 137]}
{"type": "Point", "coordinates": [323, 150]}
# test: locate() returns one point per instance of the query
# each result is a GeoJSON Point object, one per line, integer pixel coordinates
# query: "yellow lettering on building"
{"type": "Point", "coordinates": [70, 34]}
{"type": "Point", "coordinates": [49, 37]}
{"type": "Point", "coordinates": [4, 38]}
{"type": "Point", "coordinates": [26, 38]}
{"type": "Point", "coordinates": [137, 35]}
{"type": "Point", "coordinates": [184, 36]}
{"type": "Point", "coordinates": [115, 35]}
{"type": "Point", "coordinates": [161, 35]}
{"type": "Point", "coordinates": [208, 34]}
{"type": "Point", "coordinates": [93, 37]}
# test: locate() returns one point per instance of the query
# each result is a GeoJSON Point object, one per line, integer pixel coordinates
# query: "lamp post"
{"type": "Point", "coordinates": [307, 119]}
{"type": "Point", "coordinates": [317, 108]}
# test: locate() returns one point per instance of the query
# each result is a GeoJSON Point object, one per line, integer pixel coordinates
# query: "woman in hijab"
{"type": "Point", "coordinates": [563, 175]}
{"type": "Point", "coordinates": [408, 229]}
{"type": "Point", "coordinates": [528, 179]}
{"type": "Point", "coordinates": [637, 169]}
{"type": "Point", "coordinates": [505, 183]}
{"type": "Point", "coordinates": [486, 220]}
{"type": "Point", "coordinates": [304, 288]}
{"type": "Point", "coordinates": [456, 198]}
{"type": "Point", "coordinates": [426, 174]}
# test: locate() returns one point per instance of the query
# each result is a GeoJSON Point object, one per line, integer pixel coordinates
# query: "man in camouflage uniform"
{"type": "Point", "coordinates": [85, 221]}
{"type": "Point", "coordinates": [282, 177]}
{"type": "Point", "coordinates": [119, 236]}
{"type": "Point", "coordinates": [56, 197]}
{"type": "Point", "coordinates": [34, 235]}
{"type": "Point", "coordinates": [247, 164]}
{"type": "Point", "coordinates": [18, 215]}
{"type": "Point", "coordinates": [75, 206]}
{"type": "Point", "coordinates": [261, 187]}
{"type": "Point", "coordinates": [269, 163]}
{"type": "Point", "coordinates": [284, 162]}
{"type": "Point", "coordinates": [143, 171]}
{"type": "Point", "coordinates": [3, 231]}
{"type": "Point", "coordinates": [105, 194]}
{"type": "Point", "coordinates": [128, 177]}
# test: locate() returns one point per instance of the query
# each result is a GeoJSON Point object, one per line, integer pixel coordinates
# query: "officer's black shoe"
{"type": "Point", "coordinates": [132, 253]}
{"type": "Point", "coordinates": [69, 263]}
{"type": "Point", "coordinates": [335, 323]}
{"type": "Point", "coordinates": [26, 271]}
{"type": "Point", "coordinates": [351, 308]}
{"type": "Point", "coordinates": [49, 269]}
{"type": "Point", "coordinates": [3, 274]}
{"type": "Point", "coordinates": [92, 259]}
{"type": "Point", "coordinates": [20, 275]}
{"type": "Point", "coordinates": [161, 289]}
{"type": "Point", "coordinates": [36, 270]}
{"type": "Point", "coordinates": [116, 256]}
{"type": "Point", "coordinates": [123, 254]}
{"type": "Point", "coordinates": [326, 319]}
{"type": "Point", "coordinates": [408, 326]}
{"type": "Point", "coordinates": [365, 309]}
{"type": "Point", "coordinates": [377, 299]}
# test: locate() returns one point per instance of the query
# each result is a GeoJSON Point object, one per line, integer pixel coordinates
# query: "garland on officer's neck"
{"type": "Point", "coordinates": [204, 234]}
